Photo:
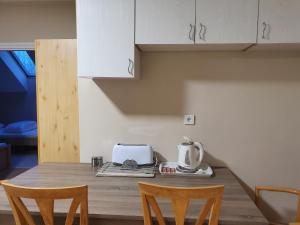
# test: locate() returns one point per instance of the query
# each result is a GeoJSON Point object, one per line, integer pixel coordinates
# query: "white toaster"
{"type": "Point", "coordinates": [141, 153]}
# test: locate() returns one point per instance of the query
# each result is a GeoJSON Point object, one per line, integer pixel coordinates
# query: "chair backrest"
{"type": "Point", "coordinates": [180, 198]}
{"type": "Point", "coordinates": [296, 192]}
{"type": "Point", "coordinates": [44, 198]}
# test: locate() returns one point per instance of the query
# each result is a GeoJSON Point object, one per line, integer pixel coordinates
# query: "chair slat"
{"type": "Point", "coordinates": [19, 218]}
{"type": "Point", "coordinates": [215, 212]}
{"type": "Point", "coordinates": [84, 211]}
{"type": "Point", "coordinates": [156, 209]}
{"type": "Point", "coordinates": [72, 211]}
{"type": "Point", "coordinates": [179, 207]}
{"type": "Point", "coordinates": [46, 207]}
{"type": "Point", "coordinates": [204, 212]}
{"type": "Point", "coordinates": [298, 211]}
{"type": "Point", "coordinates": [24, 211]}
{"type": "Point", "coordinates": [146, 210]}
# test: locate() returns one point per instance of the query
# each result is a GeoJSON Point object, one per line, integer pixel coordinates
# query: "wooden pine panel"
{"type": "Point", "coordinates": [57, 101]}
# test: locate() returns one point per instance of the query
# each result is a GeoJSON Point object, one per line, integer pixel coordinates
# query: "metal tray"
{"type": "Point", "coordinates": [204, 170]}
{"type": "Point", "coordinates": [111, 170]}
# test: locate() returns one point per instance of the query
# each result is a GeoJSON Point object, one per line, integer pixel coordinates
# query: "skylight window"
{"type": "Point", "coordinates": [25, 62]}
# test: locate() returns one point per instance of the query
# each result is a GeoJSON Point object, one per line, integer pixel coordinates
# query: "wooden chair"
{"type": "Point", "coordinates": [258, 189]}
{"type": "Point", "coordinates": [44, 198]}
{"type": "Point", "coordinates": [180, 198]}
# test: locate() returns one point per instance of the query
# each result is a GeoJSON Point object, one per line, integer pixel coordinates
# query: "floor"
{"type": "Point", "coordinates": [22, 159]}
{"type": "Point", "coordinates": [11, 173]}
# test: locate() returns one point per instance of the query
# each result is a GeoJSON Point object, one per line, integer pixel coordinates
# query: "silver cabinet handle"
{"type": "Point", "coordinates": [266, 31]}
{"type": "Point", "coordinates": [264, 24]}
{"type": "Point", "coordinates": [130, 67]}
{"type": "Point", "coordinates": [192, 32]}
{"type": "Point", "coordinates": [202, 32]}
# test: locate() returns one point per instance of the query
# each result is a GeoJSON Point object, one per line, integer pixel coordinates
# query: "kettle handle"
{"type": "Point", "coordinates": [199, 146]}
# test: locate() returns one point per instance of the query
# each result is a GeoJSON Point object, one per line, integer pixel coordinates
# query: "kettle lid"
{"type": "Point", "coordinates": [187, 141]}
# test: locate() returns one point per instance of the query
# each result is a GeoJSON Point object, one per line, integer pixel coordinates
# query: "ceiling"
{"type": "Point", "coordinates": [13, 78]}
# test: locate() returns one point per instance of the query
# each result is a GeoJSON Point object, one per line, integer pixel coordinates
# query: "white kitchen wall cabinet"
{"type": "Point", "coordinates": [279, 22]}
{"type": "Point", "coordinates": [226, 22]}
{"type": "Point", "coordinates": [105, 39]}
{"type": "Point", "coordinates": [196, 24]}
{"type": "Point", "coordinates": [160, 22]}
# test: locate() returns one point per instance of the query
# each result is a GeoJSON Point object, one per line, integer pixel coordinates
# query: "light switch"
{"type": "Point", "coordinates": [189, 120]}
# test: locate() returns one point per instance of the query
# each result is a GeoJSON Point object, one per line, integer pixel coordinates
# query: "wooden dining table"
{"type": "Point", "coordinates": [116, 200]}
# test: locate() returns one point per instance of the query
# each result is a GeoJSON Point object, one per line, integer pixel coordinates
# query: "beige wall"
{"type": "Point", "coordinates": [247, 111]}
{"type": "Point", "coordinates": [246, 104]}
{"type": "Point", "coordinates": [25, 22]}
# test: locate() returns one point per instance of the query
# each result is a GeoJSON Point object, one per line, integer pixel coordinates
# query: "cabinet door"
{"type": "Point", "coordinates": [105, 38]}
{"type": "Point", "coordinates": [165, 21]}
{"type": "Point", "coordinates": [226, 21]}
{"type": "Point", "coordinates": [279, 21]}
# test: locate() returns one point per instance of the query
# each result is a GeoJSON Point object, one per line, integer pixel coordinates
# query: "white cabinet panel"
{"type": "Point", "coordinates": [226, 21]}
{"type": "Point", "coordinates": [165, 21]}
{"type": "Point", "coordinates": [105, 38]}
{"type": "Point", "coordinates": [279, 21]}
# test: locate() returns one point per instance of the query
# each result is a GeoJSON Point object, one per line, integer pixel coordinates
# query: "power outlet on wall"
{"type": "Point", "coordinates": [189, 120]}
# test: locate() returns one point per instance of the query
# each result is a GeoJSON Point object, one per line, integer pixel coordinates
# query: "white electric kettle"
{"type": "Point", "coordinates": [190, 155]}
